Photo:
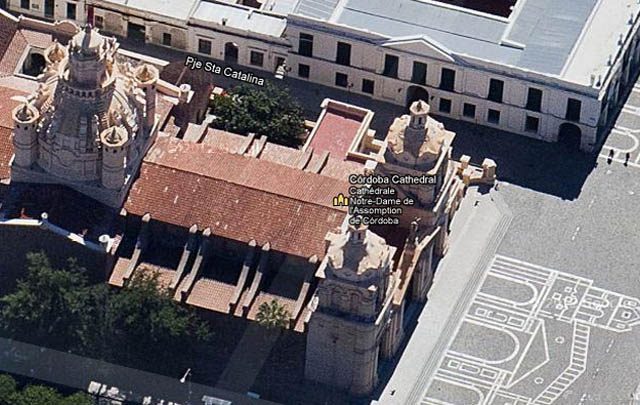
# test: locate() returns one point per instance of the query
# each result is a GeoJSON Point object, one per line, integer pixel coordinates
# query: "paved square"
{"type": "Point", "coordinates": [525, 338]}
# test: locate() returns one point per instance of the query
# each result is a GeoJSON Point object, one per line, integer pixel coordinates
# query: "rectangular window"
{"type": "Point", "coordinates": [368, 86]}
{"type": "Point", "coordinates": [534, 99]}
{"type": "Point", "coordinates": [256, 58]}
{"type": "Point", "coordinates": [419, 75]}
{"type": "Point", "coordinates": [343, 54]}
{"type": "Point", "coordinates": [71, 11]}
{"type": "Point", "coordinates": [573, 109]}
{"type": "Point", "coordinates": [342, 80]}
{"type": "Point", "coordinates": [204, 46]}
{"type": "Point", "coordinates": [303, 70]}
{"type": "Point", "coordinates": [25, 4]}
{"type": "Point", "coordinates": [391, 63]}
{"type": "Point", "coordinates": [493, 116]}
{"type": "Point", "coordinates": [496, 88]}
{"type": "Point", "coordinates": [531, 124]}
{"type": "Point", "coordinates": [166, 39]}
{"type": "Point", "coordinates": [305, 46]}
{"type": "Point", "coordinates": [469, 110]}
{"type": "Point", "coordinates": [447, 79]}
{"type": "Point", "coordinates": [98, 21]}
{"type": "Point", "coordinates": [445, 105]}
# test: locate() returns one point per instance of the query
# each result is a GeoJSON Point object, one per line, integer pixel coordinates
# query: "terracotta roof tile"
{"type": "Point", "coordinates": [211, 294]}
{"type": "Point", "coordinates": [336, 167]}
{"type": "Point", "coordinates": [12, 54]}
{"type": "Point", "coordinates": [7, 105]}
{"type": "Point", "coordinates": [37, 39]}
{"type": "Point", "coordinates": [6, 151]}
{"type": "Point", "coordinates": [246, 171]}
{"type": "Point", "coordinates": [238, 197]}
{"type": "Point", "coordinates": [8, 30]}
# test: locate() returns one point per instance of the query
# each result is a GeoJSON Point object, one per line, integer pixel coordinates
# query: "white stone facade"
{"type": "Point", "coordinates": [89, 123]}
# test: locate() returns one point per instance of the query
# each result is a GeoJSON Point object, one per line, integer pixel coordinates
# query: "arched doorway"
{"type": "Point", "coordinates": [231, 52]}
{"type": "Point", "coordinates": [569, 135]}
{"type": "Point", "coordinates": [415, 93]}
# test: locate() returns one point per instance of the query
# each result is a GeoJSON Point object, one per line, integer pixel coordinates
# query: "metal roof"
{"type": "Point", "coordinates": [170, 8]}
{"type": "Point", "coordinates": [321, 9]}
{"type": "Point", "coordinates": [241, 18]}
{"type": "Point", "coordinates": [547, 29]}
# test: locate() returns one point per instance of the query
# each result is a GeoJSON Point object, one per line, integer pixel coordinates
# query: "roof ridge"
{"type": "Point", "coordinates": [182, 170]}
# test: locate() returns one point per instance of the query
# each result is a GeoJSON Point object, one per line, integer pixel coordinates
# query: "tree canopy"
{"type": "Point", "coordinates": [268, 110]}
{"type": "Point", "coordinates": [272, 315]}
{"type": "Point", "coordinates": [37, 395]}
{"type": "Point", "coordinates": [60, 309]}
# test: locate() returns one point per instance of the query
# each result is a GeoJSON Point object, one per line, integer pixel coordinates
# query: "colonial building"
{"type": "Point", "coordinates": [554, 71]}
{"type": "Point", "coordinates": [228, 222]}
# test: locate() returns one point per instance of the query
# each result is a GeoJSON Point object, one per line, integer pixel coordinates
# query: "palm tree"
{"type": "Point", "coordinates": [273, 315]}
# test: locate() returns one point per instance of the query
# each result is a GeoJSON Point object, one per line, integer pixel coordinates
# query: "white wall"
{"type": "Point", "coordinates": [471, 86]}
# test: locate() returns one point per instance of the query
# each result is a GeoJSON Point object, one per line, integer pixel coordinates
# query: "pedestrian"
{"type": "Point", "coordinates": [626, 158]}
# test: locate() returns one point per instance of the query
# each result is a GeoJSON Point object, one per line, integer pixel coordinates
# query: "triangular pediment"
{"type": "Point", "coordinates": [420, 45]}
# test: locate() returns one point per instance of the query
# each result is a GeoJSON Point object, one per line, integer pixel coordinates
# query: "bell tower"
{"type": "Point", "coordinates": [353, 297]}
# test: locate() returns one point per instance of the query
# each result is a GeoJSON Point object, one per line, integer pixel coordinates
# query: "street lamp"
{"type": "Point", "coordinates": [184, 379]}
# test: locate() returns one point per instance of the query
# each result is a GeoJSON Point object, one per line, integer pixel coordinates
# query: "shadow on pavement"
{"type": "Point", "coordinates": [549, 168]}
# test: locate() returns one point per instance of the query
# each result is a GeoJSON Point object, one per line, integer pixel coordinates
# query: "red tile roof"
{"type": "Point", "coordinates": [238, 197]}
{"type": "Point", "coordinates": [211, 294]}
{"type": "Point", "coordinates": [336, 167]}
{"type": "Point", "coordinates": [336, 132]}
{"type": "Point", "coordinates": [249, 172]}
{"type": "Point", "coordinates": [8, 30]}
{"type": "Point", "coordinates": [6, 151]}
{"type": "Point", "coordinates": [6, 128]}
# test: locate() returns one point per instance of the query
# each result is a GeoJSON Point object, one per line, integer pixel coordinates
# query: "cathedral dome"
{"type": "Point", "coordinates": [358, 254]}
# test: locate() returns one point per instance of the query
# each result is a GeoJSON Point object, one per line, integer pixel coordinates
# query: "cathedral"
{"type": "Point", "coordinates": [230, 222]}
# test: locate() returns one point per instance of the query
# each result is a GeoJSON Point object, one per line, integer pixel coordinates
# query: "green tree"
{"type": "Point", "coordinates": [36, 395]}
{"type": "Point", "coordinates": [268, 110]}
{"type": "Point", "coordinates": [273, 315]}
{"type": "Point", "coordinates": [145, 318]}
{"type": "Point", "coordinates": [140, 322]}
{"type": "Point", "coordinates": [48, 303]}
{"type": "Point", "coordinates": [8, 387]}
{"type": "Point", "coordinates": [79, 398]}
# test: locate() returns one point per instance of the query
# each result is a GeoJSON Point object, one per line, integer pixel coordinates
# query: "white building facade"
{"type": "Point", "coordinates": [554, 72]}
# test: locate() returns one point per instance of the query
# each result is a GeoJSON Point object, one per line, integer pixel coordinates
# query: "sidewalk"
{"type": "Point", "coordinates": [475, 235]}
{"type": "Point", "coordinates": [79, 372]}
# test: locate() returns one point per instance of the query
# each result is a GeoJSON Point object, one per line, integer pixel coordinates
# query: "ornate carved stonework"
{"type": "Point", "coordinates": [84, 100]}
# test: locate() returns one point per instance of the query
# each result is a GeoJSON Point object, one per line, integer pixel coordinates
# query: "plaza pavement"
{"type": "Point", "coordinates": [574, 214]}
{"type": "Point", "coordinates": [476, 229]}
